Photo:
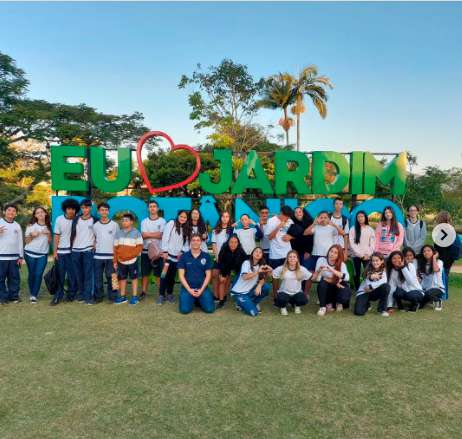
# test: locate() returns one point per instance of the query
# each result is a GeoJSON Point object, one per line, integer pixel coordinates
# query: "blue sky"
{"type": "Point", "coordinates": [396, 67]}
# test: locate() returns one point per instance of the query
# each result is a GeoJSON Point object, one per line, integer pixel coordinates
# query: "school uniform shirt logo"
{"type": "Point", "coordinates": [110, 232]}
{"type": "Point", "coordinates": [16, 232]}
{"type": "Point", "coordinates": [203, 261]}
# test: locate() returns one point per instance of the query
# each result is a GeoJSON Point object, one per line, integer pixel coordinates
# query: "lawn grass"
{"type": "Point", "coordinates": [110, 371]}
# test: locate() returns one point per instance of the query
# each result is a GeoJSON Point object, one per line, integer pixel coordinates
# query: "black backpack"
{"type": "Point", "coordinates": [51, 279]}
{"type": "Point", "coordinates": [406, 223]}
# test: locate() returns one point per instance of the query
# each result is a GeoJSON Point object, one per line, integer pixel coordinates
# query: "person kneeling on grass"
{"type": "Point", "coordinates": [431, 271]}
{"type": "Point", "coordinates": [290, 291]}
{"type": "Point", "coordinates": [373, 287]}
{"type": "Point", "coordinates": [333, 289]}
{"type": "Point", "coordinates": [250, 288]}
{"type": "Point", "coordinates": [128, 245]}
{"type": "Point", "coordinates": [195, 272]}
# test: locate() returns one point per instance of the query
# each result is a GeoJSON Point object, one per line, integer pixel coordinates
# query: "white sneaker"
{"type": "Point", "coordinates": [438, 305]}
{"type": "Point", "coordinates": [284, 312]}
{"type": "Point", "coordinates": [33, 299]}
{"type": "Point", "coordinates": [258, 308]}
{"type": "Point", "coordinates": [384, 314]}
{"type": "Point", "coordinates": [339, 307]}
{"type": "Point", "coordinates": [322, 311]}
{"type": "Point", "coordinates": [297, 310]}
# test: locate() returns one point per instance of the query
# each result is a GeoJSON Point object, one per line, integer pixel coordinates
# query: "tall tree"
{"type": "Point", "coordinates": [224, 98]}
{"type": "Point", "coordinates": [310, 84]}
{"type": "Point", "coordinates": [278, 94]}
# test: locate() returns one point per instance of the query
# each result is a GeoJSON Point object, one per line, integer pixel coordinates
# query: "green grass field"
{"type": "Point", "coordinates": [110, 371]}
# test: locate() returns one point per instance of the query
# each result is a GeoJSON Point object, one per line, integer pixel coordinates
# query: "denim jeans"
{"type": "Point", "coordinates": [248, 301]}
{"type": "Point", "coordinates": [35, 267]}
{"type": "Point", "coordinates": [83, 266]}
{"type": "Point", "coordinates": [66, 269]}
{"type": "Point", "coordinates": [9, 280]}
{"type": "Point", "coordinates": [103, 268]}
{"type": "Point", "coordinates": [187, 301]}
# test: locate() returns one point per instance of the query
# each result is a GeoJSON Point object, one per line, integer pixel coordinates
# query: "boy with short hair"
{"type": "Point", "coordinates": [128, 245]}
{"type": "Point", "coordinates": [341, 221]}
{"type": "Point", "coordinates": [105, 231]}
{"type": "Point", "coordinates": [11, 255]}
{"type": "Point", "coordinates": [62, 251]}
{"type": "Point", "coordinates": [82, 245]}
{"type": "Point", "coordinates": [263, 223]}
{"type": "Point", "coordinates": [152, 228]}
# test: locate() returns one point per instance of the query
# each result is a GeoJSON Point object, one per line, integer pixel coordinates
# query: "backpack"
{"type": "Point", "coordinates": [154, 251]}
{"type": "Point", "coordinates": [51, 279]}
{"type": "Point", "coordinates": [406, 223]}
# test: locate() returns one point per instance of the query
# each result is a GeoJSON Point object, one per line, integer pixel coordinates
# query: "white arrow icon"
{"type": "Point", "coordinates": [444, 235]}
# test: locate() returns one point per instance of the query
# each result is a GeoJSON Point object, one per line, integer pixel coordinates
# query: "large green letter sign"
{"type": "Point", "coordinates": [245, 181]}
{"type": "Point", "coordinates": [394, 174]}
{"type": "Point", "coordinates": [283, 175]}
{"type": "Point", "coordinates": [98, 167]}
{"type": "Point", "coordinates": [61, 169]}
{"type": "Point", "coordinates": [320, 159]}
{"type": "Point", "coordinates": [226, 173]}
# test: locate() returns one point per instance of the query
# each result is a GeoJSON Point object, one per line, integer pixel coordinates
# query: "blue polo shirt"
{"type": "Point", "coordinates": [195, 268]}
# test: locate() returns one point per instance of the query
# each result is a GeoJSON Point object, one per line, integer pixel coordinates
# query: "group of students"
{"type": "Point", "coordinates": [290, 250]}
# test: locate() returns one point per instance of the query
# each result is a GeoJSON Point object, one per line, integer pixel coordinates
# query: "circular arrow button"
{"type": "Point", "coordinates": [444, 235]}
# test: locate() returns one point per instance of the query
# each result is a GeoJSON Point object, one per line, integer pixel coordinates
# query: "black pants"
{"type": "Point", "coordinates": [431, 295]}
{"type": "Point", "coordinates": [168, 282]}
{"type": "Point", "coordinates": [363, 300]}
{"type": "Point", "coordinates": [357, 262]}
{"type": "Point", "coordinates": [283, 299]}
{"type": "Point", "coordinates": [331, 293]}
{"type": "Point", "coordinates": [414, 297]}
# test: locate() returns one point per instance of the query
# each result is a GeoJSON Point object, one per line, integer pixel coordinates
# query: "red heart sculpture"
{"type": "Point", "coordinates": [173, 147]}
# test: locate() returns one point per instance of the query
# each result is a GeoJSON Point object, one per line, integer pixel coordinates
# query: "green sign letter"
{"type": "Point", "coordinates": [98, 169]}
{"type": "Point", "coordinates": [226, 173]}
{"type": "Point", "coordinates": [394, 174]}
{"type": "Point", "coordinates": [244, 179]}
{"type": "Point", "coordinates": [61, 169]}
{"type": "Point", "coordinates": [319, 185]}
{"type": "Point", "coordinates": [283, 175]}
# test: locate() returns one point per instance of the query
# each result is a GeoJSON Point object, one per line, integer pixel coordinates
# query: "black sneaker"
{"type": "Point", "coordinates": [438, 305]}
{"type": "Point", "coordinates": [414, 308]}
{"type": "Point", "coordinates": [54, 302]}
{"type": "Point", "coordinates": [3, 302]}
{"type": "Point", "coordinates": [16, 300]}
{"type": "Point", "coordinates": [142, 295]}
{"type": "Point", "coordinates": [220, 304]}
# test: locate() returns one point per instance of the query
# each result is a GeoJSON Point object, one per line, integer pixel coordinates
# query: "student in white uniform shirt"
{"type": "Point", "coordinates": [38, 239]}
{"type": "Point", "coordinates": [248, 233]}
{"type": "Point", "coordinates": [62, 251]}
{"type": "Point", "coordinates": [342, 222]}
{"type": "Point", "coordinates": [290, 290]}
{"type": "Point", "coordinates": [374, 287]}
{"type": "Point", "coordinates": [333, 289]}
{"type": "Point", "coordinates": [152, 228]}
{"type": "Point", "coordinates": [172, 245]}
{"type": "Point", "coordinates": [410, 256]}
{"type": "Point", "coordinates": [105, 231]}
{"type": "Point", "coordinates": [11, 256]}
{"type": "Point", "coordinates": [82, 245]}
{"type": "Point", "coordinates": [220, 235]}
{"type": "Point", "coordinates": [196, 225]}
{"type": "Point", "coordinates": [431, 270]}
{"type": "Point", "coordinates": [404, 284]}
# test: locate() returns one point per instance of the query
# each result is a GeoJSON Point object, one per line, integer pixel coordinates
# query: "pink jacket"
{"type": "Point", "coordinates": [386, 243]}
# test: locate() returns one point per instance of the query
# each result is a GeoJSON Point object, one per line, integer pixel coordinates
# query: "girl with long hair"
{"type": "Point", "coordinates": [389, 233]}
{"type": "Point", "coordinates": [404, 284]}
{"type": "Point", "coordinates": [196, 225]}
{"type": "Point", "coordinates": [302, 244]}
{"type": "Point", "coordinates": [431, 273]}
{"type": "Point", "coordinates": [250, 288]}
{"type": "Point", "coordinates": [374, 287]}
{"type": "Point", "coordinates": [333, 288]}
{"type": "Point", "coordinates": [362, 244]}
{"type": "Point", "coordinates": [38, 239]}
{"type": "Point", "coordinates": [290, 290]}
{"type": "Point", "coordinates": [173, 242]}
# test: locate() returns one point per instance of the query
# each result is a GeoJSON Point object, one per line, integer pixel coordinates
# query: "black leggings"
{"type": "Point", "coordinates": [415, 297]}
{"type": "Point", "coordinates": [331, 293]}
{"type": "Point", "coordinates": [431, 295]}
{"type": "Point", "coordinates": [363, 300]}
{"type": "Point", "coordinates": [168, 282]}
{"type": "Point", "coordinates": [357, 262]}
{"type": "Point", "coordinates": [283, 299]}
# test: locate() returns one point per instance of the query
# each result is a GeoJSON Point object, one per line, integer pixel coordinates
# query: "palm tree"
{"type": "Point", "coordinates": [309, 84]}
{"type": "Point", "coordinates": [278, 93]}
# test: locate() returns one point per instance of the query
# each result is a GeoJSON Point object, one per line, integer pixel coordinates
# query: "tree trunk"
{"type": "Point", "coordinates": [298, 131]}
{"type": "Point", "coordinates": [286, 130]}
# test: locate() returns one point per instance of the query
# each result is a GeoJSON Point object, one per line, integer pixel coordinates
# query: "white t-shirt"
{"type": "Point", "coordinates": [63, 227]}
{"type": "Point", "coordinates": [242, 285]}
{"type": "Point", "coordinates": [247, 238]}
{"type": "Point", "coordinates": [339, 222]}
{"type": "Point", "coordinates": [219, 239]}
{"type": "Point", "coordinates": [324, 237]}
{"type": "Point", "coordinates": [150, 226]}
{"type": "Point", "coordinates": [290, 284]}
{"type": "Point", "coordinates": [372, 284]}
{"type": "Point", "coordinates": [84, 236]}
{"type": "Point", "coordinates": [11, 246]}
{"type": "Point", "coordinates": [433, 280]}
{"type": "Point", "coordinates": [39, 246]}
{"type": "Point", "coordinates": [278, 247]}
{"type": "Point", "coordinates": [326, 274]}
{"type": "Point", "coordinates": [105, 234]}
